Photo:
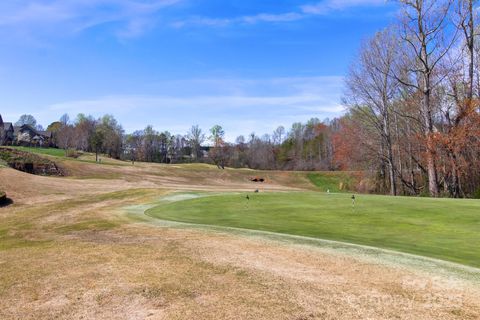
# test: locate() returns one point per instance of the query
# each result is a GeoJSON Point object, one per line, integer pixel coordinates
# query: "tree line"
{"type": "Point", "coordinates": [412, 96]}
{"type": "Point", "coordinates": [305, 146]}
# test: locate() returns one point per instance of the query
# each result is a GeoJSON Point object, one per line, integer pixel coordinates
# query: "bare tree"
{"type": "Point", "coordinates": [195, 138]}
{"type": "Point", "coordinates": [424, 26]}
{"type": "Point", "coordinates": [112, 135]}
{"type": "Point", "coordinates": [371, 91]}
{"type": "Point", "coordinates": [458, 105]}
{"type": "Point", "coordinates": [26, 119]}
{"type": "Point", "coordinates": [278, 135]}
{"type": "Point", "coordinates": [85, 128]}
{"type": "Point", "coordinates": [218, 152]}
{"type": "Point", "coordinates": [465, 22]}
{"type": "Point", "coordinates": [65, 119]}
{"type": "Point", "coordinates": [66, 138]}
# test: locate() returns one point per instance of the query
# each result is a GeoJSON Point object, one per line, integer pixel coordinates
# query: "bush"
{"type": "Point", "coordinates": [476, 195]}
{"type": "Point", "coordinates": [72, 153]}
{"type": "Point", "coordinates": [340, 181]}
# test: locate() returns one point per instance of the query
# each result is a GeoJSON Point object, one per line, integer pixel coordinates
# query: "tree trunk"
{"type": "Point", "coordinates": [470, 43]}
{"type": "Point", "coordinates": [431, 166]}
{"type": "Point", "coordinates": [457, 191]}
{"type": "Point", "coordinates": [399, 153]}
{"type": "Point", "coordinates": [390, 160]}
{"type": "Point", "coordinates": [429, 131]}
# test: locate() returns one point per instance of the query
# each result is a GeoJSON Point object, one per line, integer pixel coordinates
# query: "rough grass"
{"type": "Point", "coordinates": [334, 181]}
{"type": "Point", "coordinates": [68, 251]}
{"type": "Point", "coordinates": [24, 228]}
{"type": "Point", "coordinates": [74, 259]}
{"type": "Point", "coordinates": [323, 181]}
{"type": "Point", "coordinates": [441, 228]}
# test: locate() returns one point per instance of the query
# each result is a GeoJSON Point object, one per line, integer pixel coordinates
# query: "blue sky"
{"type": "Point", "coordinates": [248, 65]}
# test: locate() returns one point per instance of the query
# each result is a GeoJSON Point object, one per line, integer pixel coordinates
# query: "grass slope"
{"type": "Point", "coordinates": [333, 181]}
{"type": "Point", "coordinates": [441, 228]}
{"type": "Point", "coordinates": [42, 151]}
{"type": "Point", "coordinates": [85, 157]}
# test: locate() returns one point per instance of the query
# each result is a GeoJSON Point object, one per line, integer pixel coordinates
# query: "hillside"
{"type": "Point", "coordinates": [182, 176]}
{"type": "Point", "coordinates": [81, 246]}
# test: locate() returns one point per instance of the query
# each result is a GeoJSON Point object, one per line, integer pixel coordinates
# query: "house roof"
{"type": "Point", "coordinates": [7, 126]}
{"type": "Point", "coordinates": [25, 127]}
{"type": "Point", "coordinates": [46, 134]}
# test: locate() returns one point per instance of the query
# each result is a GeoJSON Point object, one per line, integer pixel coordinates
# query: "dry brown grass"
{"type": "Point", "coordinates": [67, 252]}
{"type": "Point", "coordinates": [91, 179]}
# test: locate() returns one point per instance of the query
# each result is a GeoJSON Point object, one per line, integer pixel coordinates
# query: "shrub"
{"type": "Point", "coordinates": [72, 153]}
{"type": "Point", "coordinates": [476, 195]}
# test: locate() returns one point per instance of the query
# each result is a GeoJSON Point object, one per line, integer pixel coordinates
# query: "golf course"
{"type": "Point", "coordinates": [156, 241]}
{"type": "Point", "coordinates": [240, 160]}
{"type": "Point", "coordinates": [439, 228]}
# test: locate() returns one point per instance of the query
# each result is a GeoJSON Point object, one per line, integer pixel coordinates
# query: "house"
{"type": "Point", "coordinates": [24, 135]}
{"type": "Point", "coordinates": [29, 136]}
{"type": "Point", "coordinates": [6, 132]}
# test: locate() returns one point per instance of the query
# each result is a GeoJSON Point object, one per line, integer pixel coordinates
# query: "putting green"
{"type": "Point", "coordinates": [447, 229]}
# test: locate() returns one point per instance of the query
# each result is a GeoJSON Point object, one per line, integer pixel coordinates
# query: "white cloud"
{"type": "Point", "coordinates": [250, 19]}
{"type": "Point", "coordinates": [70, 16]}
{"type": "Point", "coordinates": [134, 17]}
{"type": "Point", "coordinates": [328, 6]}
{"type": "Point", "coordinates": [265, 17]}
{"type": "Point", "coordinates": [240, 105]}
{"type": "Point", "coordinates": [320, 8]}
{"type": "Point", "coordinates": [128, 103]}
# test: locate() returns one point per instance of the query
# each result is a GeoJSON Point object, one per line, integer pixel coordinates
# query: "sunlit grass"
{"type": "Point", "coordinates": [441, 228]}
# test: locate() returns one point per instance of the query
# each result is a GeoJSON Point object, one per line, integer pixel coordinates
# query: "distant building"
{"type": "Point", "coordinates": [6, 132]}
{"type": "Point", "coordinates": [24, 135]}
{"type": "Point", "coordinates": [205, 150]}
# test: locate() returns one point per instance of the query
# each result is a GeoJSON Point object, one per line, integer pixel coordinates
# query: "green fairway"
{"type": "Point", "coordinates": [43, 151]}
{"type": "Point", "coordinates": [447, 229]}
